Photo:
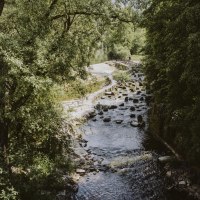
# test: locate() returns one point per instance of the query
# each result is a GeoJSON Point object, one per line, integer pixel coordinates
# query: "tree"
{"type": "Point", "coordinates": [42, 42]}
{"type": "Point", "coordinates": [172, 69]}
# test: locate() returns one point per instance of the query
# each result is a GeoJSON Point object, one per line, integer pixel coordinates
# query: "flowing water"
{"type": "Point", "coordinates": [124, 170]}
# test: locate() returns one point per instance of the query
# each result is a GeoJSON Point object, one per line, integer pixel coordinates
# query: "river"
{"type": "Point", "coordinates": [122, 169]}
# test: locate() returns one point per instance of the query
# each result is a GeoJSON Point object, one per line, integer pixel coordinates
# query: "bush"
{"type": "Point", "coordinates": [122, 76]}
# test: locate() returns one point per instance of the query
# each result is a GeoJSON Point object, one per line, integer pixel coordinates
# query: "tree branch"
{"type": "Point", "coordinates": [113, 16]}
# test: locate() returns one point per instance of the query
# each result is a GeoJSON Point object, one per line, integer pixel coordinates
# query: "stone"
{"type": "Point", "coordinates": [132, 116]}
{"type": "Point", "coordinates": [182, 183]}
{"type": "Point", "coordinates": [138, 92]}
{"type": "Point", "coordinates": [119, 121]}
{"type": "Point", "coordinates": [169, 174]}
{"type": "Point", "coordinates": [122, 104]}
{"type": "Point", "coordinates": [134, 124]}
{"type": "Point", "coordinates": [92, 114]}
{"type": "Point", "coordinates": [105, 109]}
{"type": "Point", "coordinates": [103, 97]}
{"type": "Point", "coordinates": [94, 120]}
{"type": "Point", "coordinates": [113, 107]}
{"type": "Point", "coordinates": [109, 93]}
{"type": "Point", "coordinates": [107, 119]}
{"type": "Point", "coordinates": [123, 108]}
{"type": "Point", "coordinates": [126, 99]}
{"type": "Point", "coordinates": [124, 94]}
{"type": "Point", "coordinates": [165, 159]}
{"type": "Point", "coordinates": [141, 98]}
{"type": "Point", "coordinates": [135, 101]}
{"type": "Point", "coordinates": [100, 113]}
{"type": "Point", "coordinates": [80, 171]}
{"type": "Point", "coordinates": [140, 118]}
{"type": "Point", "coordinates": [132, 108]}
{"type": "Point", "coordinates": [140, 84]}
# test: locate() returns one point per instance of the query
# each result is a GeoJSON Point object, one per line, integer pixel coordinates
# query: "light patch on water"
{"type": "Point", "coordinates": [127, 160]}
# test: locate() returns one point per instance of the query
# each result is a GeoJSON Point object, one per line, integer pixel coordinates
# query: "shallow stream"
{"type": "Point", "coordinates": [123, 169]}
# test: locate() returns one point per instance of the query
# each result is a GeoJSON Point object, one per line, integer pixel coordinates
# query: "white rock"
{"type": "Point", "coordinates": [169, 173]}
{"type": "Point", "coordinates": [165, 159]}
{"type": "Point", "coordinates": [182, 183]}
{"type": "Point", "coordinates": [80, 171]}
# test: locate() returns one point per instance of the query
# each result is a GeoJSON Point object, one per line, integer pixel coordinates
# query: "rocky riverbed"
{"type": "Point", "coordinates": [111, 159]}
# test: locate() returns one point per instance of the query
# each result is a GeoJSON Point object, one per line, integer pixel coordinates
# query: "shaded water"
{"type": "Point", "coordinates": [125, 170]}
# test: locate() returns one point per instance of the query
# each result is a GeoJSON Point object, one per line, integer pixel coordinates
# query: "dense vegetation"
{"type": "Point", "coordinates": [173, 73]}
{"type": "Point", "coordinates": [47, 43]}
{"type": "Point", "coordinates": [43, 43]}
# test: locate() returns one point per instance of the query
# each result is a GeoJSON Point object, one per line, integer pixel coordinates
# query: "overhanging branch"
{"type": "Point", "coordinates": [74, 13]}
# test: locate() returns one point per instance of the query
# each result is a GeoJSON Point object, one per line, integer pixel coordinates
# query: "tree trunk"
{"type": "Point", "coordinates": [1, 6]}
{"type": "Point", "coordinates": [4, 141]}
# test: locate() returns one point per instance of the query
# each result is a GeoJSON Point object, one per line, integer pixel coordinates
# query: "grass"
{"type": "Point", "coordinates": [77, 89]}
{"type": "Point", "coordinates": [122, 76]}
{"type": "Point", "coordinates": [137, 57]}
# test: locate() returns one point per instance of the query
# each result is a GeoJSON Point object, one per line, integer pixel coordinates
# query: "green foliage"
{"type": "Point", "coordinates": [122, 76]}
{"type": "Point", "coordinates": [44, 42]}
{"type": "Point", "coordinates": [172, 69]}
{"type": "Point", "coordinates": [77, 89]}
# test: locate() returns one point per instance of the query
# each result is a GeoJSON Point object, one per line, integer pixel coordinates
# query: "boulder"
{"type": "Point", "coordinates": [113, 107]}
{"type": "Point", "coordinates": [126, 99]}
{"type": "Point", "coordinates": [134, 124]}
{"type": "Point", "coordinates": [165, 159]}
{"type": "Point", "coordinates": [135, 100]}
{"type": "Point", "coordinates": [105, 109]}
{"type": "Point", "coordinates": [123, 108]}
{"type": "Point", "coordinates": [169, 174]}
{"type": "Point", "coordinates": [109, 93]}
{"type": "Point", "coordinates": [107, 119]}
{"type": "Point", "coordinates": [182, 183]}
{"type": "Point", "coordinates": [141, 98]}
{"type": "Point", "coordinates": [92, 114]}
{"type": "Point", "coordinates": [132, 108]}
{"type": "Point", "coordinates": [141, 122]}
{"type": "Point", "coordinates": [80, 171]}
{"type": "Point", "coordinates": [132, 115]}
{"type": "Point", "coordinates": [119, 121]}
{"type": "Point", "coordinates": [140, 84]}
{"type": "Point", "coordinates": [100, 113]}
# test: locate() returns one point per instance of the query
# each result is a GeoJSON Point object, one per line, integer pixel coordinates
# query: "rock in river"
{"type": "Point", "coordinates": [109, 93]}
{"type": "Point", "coordinates": [113, 107]}
{"type": "Point", "coordinates": [119, 121]}
{"type": "Point", "coordinates": [134, 124]}
{"type": "Point", "coordinates": [132, 108]}
{"type": "Point", "coordinates": [126, 99]}
{"type": "Point", "coordinates": [107, 119]}
{"type": "Point", "coordinates": [132, 115]}
{"type": "Point", "coordinates": [80, 171]}
{"type": "Point", "coordinates": [135, 100]}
